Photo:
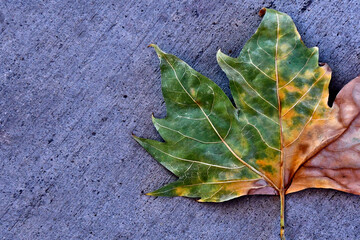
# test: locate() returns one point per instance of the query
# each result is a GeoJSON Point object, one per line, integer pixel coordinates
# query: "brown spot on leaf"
{"type": "Point", "coordinates": [303, 147]}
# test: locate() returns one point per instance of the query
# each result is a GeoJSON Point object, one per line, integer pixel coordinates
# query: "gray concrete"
{"type": "Point", "coordinates": [76, 79]}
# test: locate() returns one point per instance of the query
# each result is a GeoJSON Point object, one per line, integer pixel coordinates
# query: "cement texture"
{"type": "Point", "coordinates": [77, 78]}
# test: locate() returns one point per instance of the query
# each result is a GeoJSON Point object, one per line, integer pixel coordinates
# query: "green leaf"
{"type": "Point", "coordinates": [281, 118]}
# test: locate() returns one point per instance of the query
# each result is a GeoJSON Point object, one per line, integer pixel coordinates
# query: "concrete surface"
{"type": "Point", "coordinates": [76, 80]}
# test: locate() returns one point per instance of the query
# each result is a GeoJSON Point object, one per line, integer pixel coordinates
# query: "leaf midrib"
{"type": "Point", "coordinates": [282, 163]}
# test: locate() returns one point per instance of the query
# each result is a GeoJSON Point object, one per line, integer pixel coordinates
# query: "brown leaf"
{"type": "Point", "coordinates": [338, 165]}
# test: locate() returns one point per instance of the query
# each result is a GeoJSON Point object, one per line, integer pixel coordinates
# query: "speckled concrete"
{"type": "Point", "coordinates": [76, 79]}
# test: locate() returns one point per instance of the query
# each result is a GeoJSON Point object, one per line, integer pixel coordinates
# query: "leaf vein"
{"type": "Point", "coordinates": [247, 83]}
{"type": "Point", "coordinates": [299, 100]}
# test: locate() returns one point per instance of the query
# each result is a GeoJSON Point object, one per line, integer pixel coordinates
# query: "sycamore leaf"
{"type": "Point", "coordinates": [281, 119]}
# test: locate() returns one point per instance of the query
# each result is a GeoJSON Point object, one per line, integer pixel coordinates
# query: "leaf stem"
{"type": "Point", "coordinates": [282, 215]}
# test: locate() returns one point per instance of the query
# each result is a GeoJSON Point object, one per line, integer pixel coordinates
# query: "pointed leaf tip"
{"type": "Point", "coordinates": [219, 54]}
{"type": "Point", "coordinates": [159, 52]}
{"type": "Point", "coordinates": [262, 12]}
{"type": "Point", "coordinates": [150, 194]}
{"type": "Point", "coordinates": [222, 57]}
{"type": "Point", "coordinates": [136, 138]}
{"type": "Point", "coordinates": [153, 118]}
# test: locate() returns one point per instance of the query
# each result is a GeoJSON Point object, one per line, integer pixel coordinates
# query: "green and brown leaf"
{"type": "Point", "coordinates": [281, 120]}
